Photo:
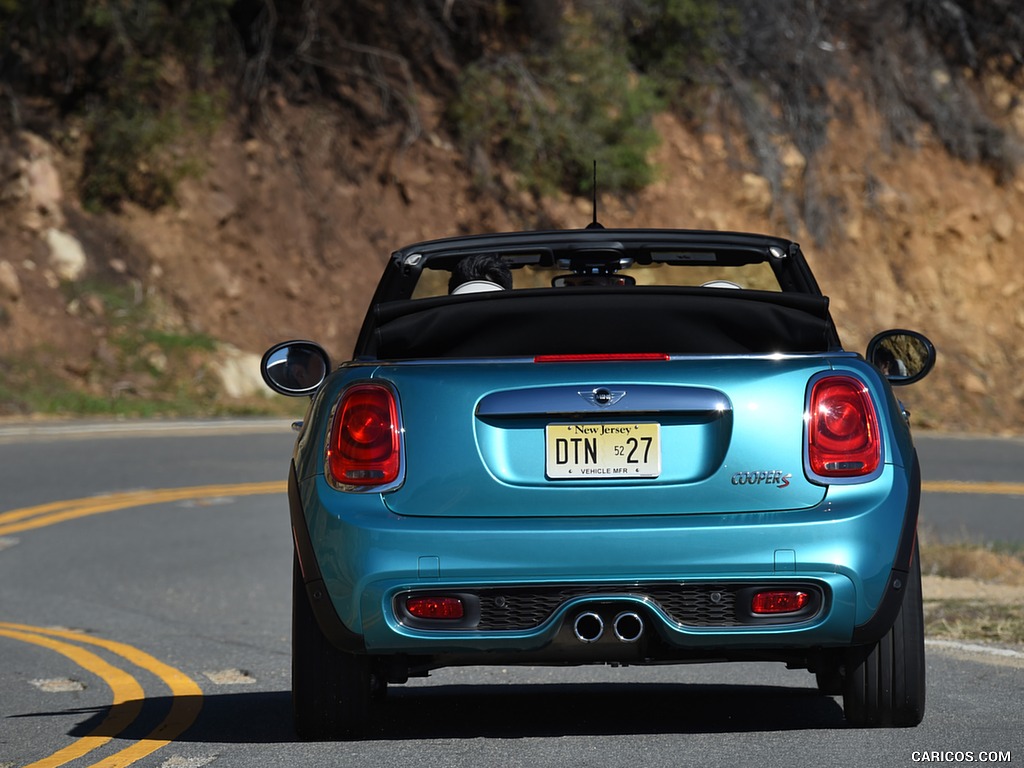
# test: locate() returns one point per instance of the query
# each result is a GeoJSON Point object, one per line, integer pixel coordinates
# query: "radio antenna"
{"type": "Point", "coordinates": [595, 224]}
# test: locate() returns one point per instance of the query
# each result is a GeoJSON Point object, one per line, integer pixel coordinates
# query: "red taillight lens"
{"type": "Point", "coordinates": [779, 601]}
{"type": "Point", "coordinates": [365, 437]}
{"type": "Point", "coordinates": [435, 607]}
{"type": "Point", "coordinates": [842, 432]}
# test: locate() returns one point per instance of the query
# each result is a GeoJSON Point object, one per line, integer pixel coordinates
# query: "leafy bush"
{"type": "Point", "coordinates": [551, 116]}
{"type": "Point", "coordinates": [677, 41]}
{"type": "Point", "coordinates": [135, 151]}
{"type": "Point", "coordinates": [124, 159]}
{"type": "Point", "coordinates": [129, 68]}
{"type": "Point", "coordinates": [588, 93]}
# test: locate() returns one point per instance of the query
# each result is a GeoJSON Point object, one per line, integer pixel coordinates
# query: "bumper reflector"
{"type": "Point", "coordinates": [779, 601]}
{"type": "Point", "coordinates": [434, 607]}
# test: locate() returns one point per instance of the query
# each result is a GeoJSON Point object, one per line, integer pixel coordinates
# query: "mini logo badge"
{"type": "Point", "coordinates": [602, 397]}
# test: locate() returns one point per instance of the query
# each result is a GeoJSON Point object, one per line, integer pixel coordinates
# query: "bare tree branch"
{"type": "Point", "coordinates": [375, 74]}
{"type": "Point", "coordinates": [256, 69]}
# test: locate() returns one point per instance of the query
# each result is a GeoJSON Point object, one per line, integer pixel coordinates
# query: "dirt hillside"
{"type": "Point", "coordinates": [285, 233]}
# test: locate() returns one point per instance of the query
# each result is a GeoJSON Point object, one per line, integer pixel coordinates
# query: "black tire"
{"type": "Point", "coordinates": [884, 683]}
{"type": "Point", "coordinates": [331, 690]}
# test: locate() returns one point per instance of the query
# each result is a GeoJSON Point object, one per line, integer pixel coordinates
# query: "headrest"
{"type": "Point", "coordinates": [719, 284]}
{"type": "Point", "coordinates": [477, 286]}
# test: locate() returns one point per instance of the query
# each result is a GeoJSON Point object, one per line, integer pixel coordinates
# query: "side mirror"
{"type": "Point", "coordinates": [903, 357]}
{"type": "Point", "coordinates": [295, 368]}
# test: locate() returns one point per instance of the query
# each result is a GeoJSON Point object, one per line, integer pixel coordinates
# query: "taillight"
{"type": "Point", "coordinates": [365, 444]}
{"type": "Point", "coordinates": [842, 429]}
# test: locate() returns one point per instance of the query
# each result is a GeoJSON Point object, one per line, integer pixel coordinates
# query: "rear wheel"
{"type": "Point", "coordinates": [884, 683]}
{"type": "Point", "coordinates": [331, 690]}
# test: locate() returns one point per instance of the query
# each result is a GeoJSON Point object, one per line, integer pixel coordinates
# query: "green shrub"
{"type": "Point", "coordinates": [676, 40]}
{"type": "Point", "coordinates": [136, 150]}
{"type": "Point", "coordinates": [140, 72]}
{"type": "Point", "coordinates": [124, 161]}
{"type": "Point", "coordinates": [551, 117]}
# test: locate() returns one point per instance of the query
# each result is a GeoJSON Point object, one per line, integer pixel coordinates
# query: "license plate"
{"type": "Point", "coordinates": [602, 451]}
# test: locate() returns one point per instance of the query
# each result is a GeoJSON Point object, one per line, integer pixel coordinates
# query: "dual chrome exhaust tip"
{"type": "Point", "coordinates": [627, 626]}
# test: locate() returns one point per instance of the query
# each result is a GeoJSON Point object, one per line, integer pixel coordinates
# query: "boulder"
{"type": "Point", "coordinates": [67, 257]}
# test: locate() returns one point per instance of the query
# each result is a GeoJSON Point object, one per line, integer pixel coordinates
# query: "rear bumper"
{"type": "Point", "coordinates": [362, 557]}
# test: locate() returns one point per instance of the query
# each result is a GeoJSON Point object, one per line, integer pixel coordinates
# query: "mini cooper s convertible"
{"type": "Point", "coordinates": [602, 446]}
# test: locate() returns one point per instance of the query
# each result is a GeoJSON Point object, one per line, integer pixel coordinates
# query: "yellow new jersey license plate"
{"type": "Point", "coordinates": [602, 451]}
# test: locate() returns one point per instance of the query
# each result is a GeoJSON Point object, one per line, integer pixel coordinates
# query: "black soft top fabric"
{"type": "Point", "coordinates": [595, 321]}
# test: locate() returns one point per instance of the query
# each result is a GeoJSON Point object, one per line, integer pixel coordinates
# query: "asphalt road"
{"type": "Point", "coordinates": [146, 625]}
{"type": "Point", "coordinates": [983, 480]}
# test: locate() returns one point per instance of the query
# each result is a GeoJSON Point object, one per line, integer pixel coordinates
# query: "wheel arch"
{"type": "Point", "coordinates": [892, 599]}
{"type": "Point", "coordinates": [333, 628]}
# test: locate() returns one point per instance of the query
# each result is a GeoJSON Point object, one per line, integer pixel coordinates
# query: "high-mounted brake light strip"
{"type": "Point", "coordinates": [624, 357]}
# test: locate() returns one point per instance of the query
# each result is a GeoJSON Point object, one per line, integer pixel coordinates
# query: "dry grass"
{"type": "Point", "coordinates": [971, 561]}
{"type": "Point", "coordinates": [971, 620]}
{"type": "Point", "coordinates": [973, 593]}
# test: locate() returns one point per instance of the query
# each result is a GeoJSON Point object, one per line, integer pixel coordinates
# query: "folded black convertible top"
{"type": "Point", "coordinates": [601, 321]}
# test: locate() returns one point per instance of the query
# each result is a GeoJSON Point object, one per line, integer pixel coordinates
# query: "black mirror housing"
{"type": "Point", "coordinates": [902, 356]}
{"type": "Point", "coordinates": [295, 368]}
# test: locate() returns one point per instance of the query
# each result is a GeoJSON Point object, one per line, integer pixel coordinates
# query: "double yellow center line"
{"type": "Point", "coordinates": [986, 489]}
{"type": "Point", "coordinates": [128, 695]}
{"type": "Point", "coordinates": [40, 516]}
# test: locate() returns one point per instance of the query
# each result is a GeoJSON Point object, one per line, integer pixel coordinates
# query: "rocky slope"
{"type": "Point", "coordinates": [285, 233]}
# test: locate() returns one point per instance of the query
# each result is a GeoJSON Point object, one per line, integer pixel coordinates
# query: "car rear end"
{"type": "Point", "coordinates": [622, 446]}
{"type": "Point", "coordinates": [607, 507]}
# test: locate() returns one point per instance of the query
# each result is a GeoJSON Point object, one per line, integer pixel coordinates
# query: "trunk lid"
{"type": "Point", "coordinates": [682, 436]}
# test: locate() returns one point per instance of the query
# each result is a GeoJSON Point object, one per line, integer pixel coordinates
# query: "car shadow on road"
{"type": "Point", "coordinates": [514, 711]}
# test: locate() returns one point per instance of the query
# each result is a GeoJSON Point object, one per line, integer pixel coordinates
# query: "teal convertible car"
{"type": "Point", "coordinates": [603, 446]}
